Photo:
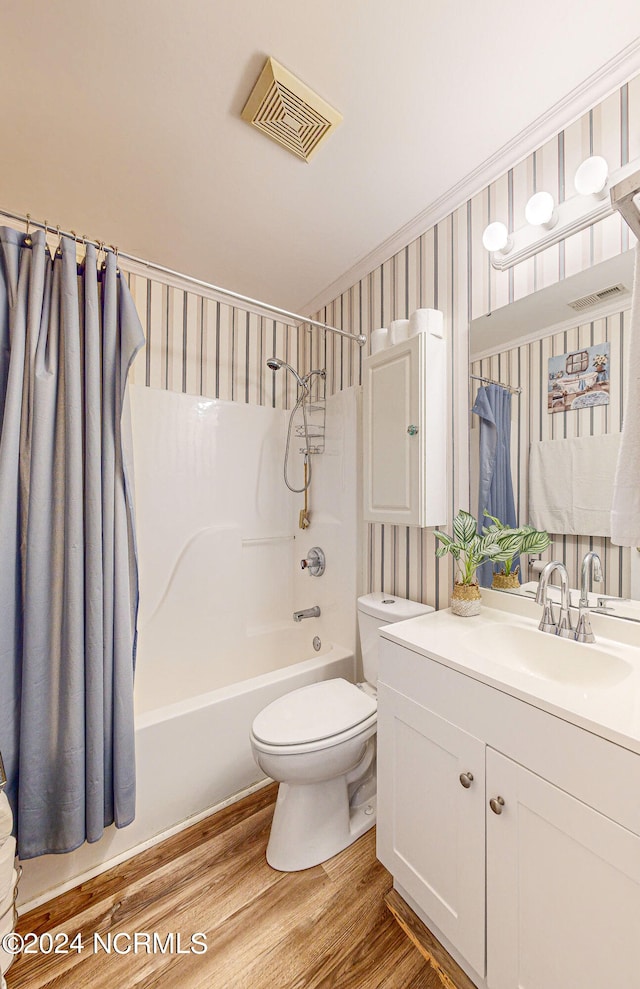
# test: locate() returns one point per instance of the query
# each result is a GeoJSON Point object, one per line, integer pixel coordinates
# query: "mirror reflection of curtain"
{"type": "Point", "coordinates": [495, 487]}
{"type": "Point", "coordinates": [68, 580]}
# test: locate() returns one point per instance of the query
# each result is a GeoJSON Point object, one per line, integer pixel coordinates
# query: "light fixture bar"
{"type": "Point", "coordinates": [574, 215]}
{"type": "Point", "coordinates": [623, 198]}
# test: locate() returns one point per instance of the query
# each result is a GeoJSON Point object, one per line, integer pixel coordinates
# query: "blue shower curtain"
{"type": "Point", "coordinates": [68, 576]}
{"type": "Point", "coordinates": [495, 489]}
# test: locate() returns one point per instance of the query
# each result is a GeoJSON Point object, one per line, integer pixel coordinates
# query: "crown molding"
{"type": "Point", "coordinates": [596, 88]}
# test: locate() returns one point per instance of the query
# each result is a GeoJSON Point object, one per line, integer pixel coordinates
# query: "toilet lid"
{"type": "Point", "coordinates": [313, 713]}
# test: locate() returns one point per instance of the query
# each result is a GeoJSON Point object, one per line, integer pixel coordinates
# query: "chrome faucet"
{"type": "Point", "coordinates": [548, 623]}
{"type": "Point", "coordinates": [307, 613]}
{"type": "Point", "coordinates": [591, 566]}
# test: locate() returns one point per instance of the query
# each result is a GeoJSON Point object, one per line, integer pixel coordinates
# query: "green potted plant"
{"type": "Point", "coordinates": [513, 542]}
{"type": "Point", "coordinates": [469, 549]}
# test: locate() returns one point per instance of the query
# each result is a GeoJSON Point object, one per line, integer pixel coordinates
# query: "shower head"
{"type": "Point", "coordinates": [275, 363]}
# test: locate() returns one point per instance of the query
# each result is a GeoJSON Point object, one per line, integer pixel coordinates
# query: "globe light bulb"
{"type": "Point", "coordinates": [541, 211]}
{"type": "Point", "coordinates": [591, 177]}
{"type": "Point", "coordinates": [496, 238]}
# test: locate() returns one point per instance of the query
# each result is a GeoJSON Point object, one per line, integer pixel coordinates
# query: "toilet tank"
{"type": "Point", "coordinates": [378, 609]}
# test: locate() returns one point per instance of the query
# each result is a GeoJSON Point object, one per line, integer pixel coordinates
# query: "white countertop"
{"type": "Point", "coordinates": [609, 707]}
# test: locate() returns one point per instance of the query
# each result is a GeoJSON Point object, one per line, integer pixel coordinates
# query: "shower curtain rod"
{"type": "Point", "coordinates": [515, 390]}
{"type": "Point", "coordinates": [358, 338]}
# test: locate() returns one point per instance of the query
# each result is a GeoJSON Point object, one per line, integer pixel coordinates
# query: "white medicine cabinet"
{"type": "Point", "coordinates": [405, 432]}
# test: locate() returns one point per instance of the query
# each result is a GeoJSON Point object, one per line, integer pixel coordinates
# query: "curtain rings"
{"type": "Point", "coordinates": [115, 251]}
{"type": "Point", "coordinates": [82, 240]}
{"type": "Point", "coordinates": [59, 247]}
{"type": "Point", "coordinates": [28, 242]}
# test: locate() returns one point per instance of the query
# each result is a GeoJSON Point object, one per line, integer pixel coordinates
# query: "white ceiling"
{"type": "Point", "coordinates": [121, 120]}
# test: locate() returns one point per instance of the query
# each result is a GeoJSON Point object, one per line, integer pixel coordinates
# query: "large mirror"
{"type": "Point", "coordinates": [562, 351]}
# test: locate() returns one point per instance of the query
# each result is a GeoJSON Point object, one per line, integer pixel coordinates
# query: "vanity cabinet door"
{"type": "Point", "coordinates": [563, 888]}
{"type": "Point", "coordinates": [431, 821]}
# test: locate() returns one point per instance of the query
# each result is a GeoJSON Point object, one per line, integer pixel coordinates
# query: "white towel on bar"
{"type": "Point", "coordinates": [625, 510]}
{"type": "Point", "coordinates": [571, 484]}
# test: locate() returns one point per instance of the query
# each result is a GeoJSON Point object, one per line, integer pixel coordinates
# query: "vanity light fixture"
{"type": "Point", "coordinates": [496, 238]}
{"type": "Point", "coordinates": [548, 224]}
{"type": "Point", "coordinates": [541, 211]}
{"type": "Point", "coordinates": [592, 177]}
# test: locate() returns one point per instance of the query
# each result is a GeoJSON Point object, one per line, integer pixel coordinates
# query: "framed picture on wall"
{"type": "Point", "coordinates": [579, 379]}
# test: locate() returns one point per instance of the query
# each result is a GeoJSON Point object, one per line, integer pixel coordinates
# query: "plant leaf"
{"type": "Point", "coordinates": [535, 542]}
{"type": "Point", "coordinates": [465, 527]}
{"type": "Point", "coordinates": [491, 550]}
{"type": "Point", "coordinates": [497, 524]}
{"type": "Point", "coordinates": [446, 539]}
{"type": "Point", "coordinates": [509, 541]}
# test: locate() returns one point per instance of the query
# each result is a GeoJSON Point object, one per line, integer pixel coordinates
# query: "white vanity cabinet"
{"type": "Point", "coordinates": [563, 888]}
{"type": "Point", "coordinates": [404, 434]}
{"type": "Point", "coordinates": [430, 830]}
{"type": "Point", "coordinates": [546, 833]}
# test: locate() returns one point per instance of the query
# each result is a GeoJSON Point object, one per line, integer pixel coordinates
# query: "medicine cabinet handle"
{"type": "Point", "coordinates": [496, 804]}
{"type": "Point", "coordinates": [412, 430]}
{"type": "Point", "coordinates": [466, 779]}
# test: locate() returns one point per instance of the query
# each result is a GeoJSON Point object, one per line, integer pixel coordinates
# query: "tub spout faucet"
{"type": "Point", "coordinates": [548, 623]}
{"type": "Point", "coordinates": [590, 565]}
{"type": "Point", "coordinates": [307, 613]}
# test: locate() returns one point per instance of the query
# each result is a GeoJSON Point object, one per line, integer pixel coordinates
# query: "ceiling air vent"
{"type": "Point", "coordinates": [287, 111]}
{"type": "Point", "coordinates": [596, 298]}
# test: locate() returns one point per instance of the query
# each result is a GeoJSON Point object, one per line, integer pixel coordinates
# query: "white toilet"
{"type": "Point", "coordinates": [319, 743]}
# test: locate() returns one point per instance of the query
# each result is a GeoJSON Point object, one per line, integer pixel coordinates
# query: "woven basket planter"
{"type": "Point", "coordinates": [506, 582]}
{"type": "Point", "coordinates": [465, 600]}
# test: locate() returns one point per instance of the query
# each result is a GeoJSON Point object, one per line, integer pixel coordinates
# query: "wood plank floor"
{"type": "Point", "coordinates": [325, 928]}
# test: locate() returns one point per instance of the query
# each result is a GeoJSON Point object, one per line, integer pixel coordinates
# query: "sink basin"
{"type": "Point", "coordinates": [548, 657]}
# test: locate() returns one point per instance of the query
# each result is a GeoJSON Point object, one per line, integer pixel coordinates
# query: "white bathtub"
{"type": "Point", "coordinates": [193, 757]}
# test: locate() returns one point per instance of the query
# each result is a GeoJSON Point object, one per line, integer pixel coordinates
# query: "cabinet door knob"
{"type": "Point", "coordinates": [466, 779]}
{"type": "Point", "coordinates": [412, 430]}
{"type": "Point", "coordinates": [496, 804]}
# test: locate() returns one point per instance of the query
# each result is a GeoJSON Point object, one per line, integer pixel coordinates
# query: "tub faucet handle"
{"type": "Point", "coordinates": [315, 562]}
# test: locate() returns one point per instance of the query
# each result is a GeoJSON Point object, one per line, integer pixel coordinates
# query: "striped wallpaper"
{"type": "Point", "coordinates": [447, 268]}
{"type": "Point", "coordinates": [527, 365]}
{"type": "Point", "coordinates": [202, 345]}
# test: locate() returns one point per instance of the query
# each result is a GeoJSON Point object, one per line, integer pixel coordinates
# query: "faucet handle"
{"type": "Point", "coordinates": [548, 622]}
{"type": "Point", "coordinates": [564, 626]}
{"type": "Point", "coordinates": [584, 632]}
{"type": "Point", "coordinates": [315, 563]}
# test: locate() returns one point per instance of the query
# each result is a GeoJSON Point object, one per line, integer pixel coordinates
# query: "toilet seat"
{"type": "Point", "coordinates": [365, 728]}
{"type": "Point", "coordinates": [314, 717]}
